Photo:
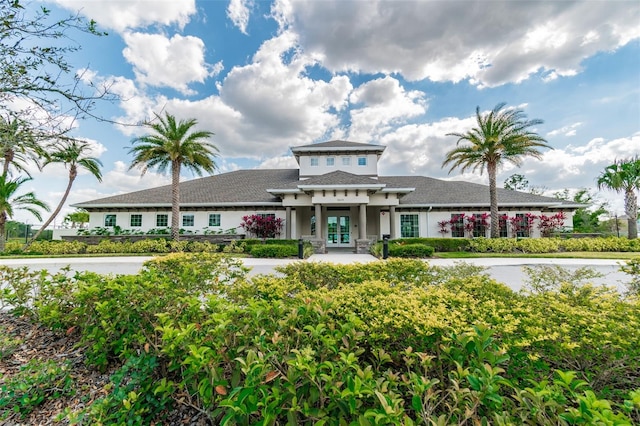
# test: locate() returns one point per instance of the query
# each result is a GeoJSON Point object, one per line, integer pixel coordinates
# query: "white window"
{"type": "Point", "coordinates": [346, 161]}
{"type": "Point", "coordinates": [314, 161]}
{"type": "Point", "coordinates": [331, 161]}
{"type": "Point", "coordinates": [135, 220]}
{"type": "Point", "coordinates": [162, 220]}
{"type": "Point", "coordinates": [362, 161]}
{"type": "Point", "coordinates": [188, 220]}
{"type": "Point", "coordinates": [214, 219]}
{"type": "Point", "coordinates": [110, 220]}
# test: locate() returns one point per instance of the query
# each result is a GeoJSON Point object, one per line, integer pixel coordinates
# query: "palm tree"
{"type": "Point", "coordinates": [502, 135]}
{"type": "Point", "coordinates": [18, 145]}
{"type": "Point", "coordinates": [73, 154]}
{"type": "Point", "coordinates": [174, 144]}
{"type": "Point", "coordinates": [9, 202]}
{"type": "Point", "coordinates": [624, 176]}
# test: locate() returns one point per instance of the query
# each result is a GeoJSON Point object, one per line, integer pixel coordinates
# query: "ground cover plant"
{"type": "Point", "coordinates": [396, 342]}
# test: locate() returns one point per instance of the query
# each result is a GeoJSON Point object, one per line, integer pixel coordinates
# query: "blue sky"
{"type": "Point", "coordinates": [265, 76]}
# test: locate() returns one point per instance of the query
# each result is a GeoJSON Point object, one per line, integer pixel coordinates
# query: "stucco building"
{"type": "Point", "coordinates": [336, 198]}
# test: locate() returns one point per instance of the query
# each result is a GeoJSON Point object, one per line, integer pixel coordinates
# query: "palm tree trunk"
{"type": "Point", "coordinates": [631, 210]}
{"type": "Point", "coordinates": [73, 173]}
{"type": "Point", "coordinates": [493, 199]}
{"type": "Point", "coordinates": [175, 200]}
{"type": "Point", "coordinates": [3, 221]}
{"type": "Point", "coordinates": [8, 158]}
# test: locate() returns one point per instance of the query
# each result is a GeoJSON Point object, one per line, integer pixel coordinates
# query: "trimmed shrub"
{"type": "Point", "coordinates": [439, 244]}
{"type": "Point", "coordinates": [553, 245]}
{"type": "Point", "coordinates": [410, 250]}
{"type": "Point", "coordinates": [274, 250]}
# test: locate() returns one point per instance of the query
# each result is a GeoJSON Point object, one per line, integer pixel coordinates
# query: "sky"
{"type": "Point", "coordinates": [268, 75]}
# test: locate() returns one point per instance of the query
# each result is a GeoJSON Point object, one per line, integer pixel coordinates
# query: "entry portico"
{"type": "Point", "coordinates": [343, 205]}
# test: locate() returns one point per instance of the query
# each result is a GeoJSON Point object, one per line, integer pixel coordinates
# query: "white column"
{"type": "Point", "coordinates": [392, 222]}
{"type": "Point", "coordinates": [363, 222]}
{"type": "Point", "coordinates": [319, 235]}
{"type": "Point", "coordinates": [287, 223]}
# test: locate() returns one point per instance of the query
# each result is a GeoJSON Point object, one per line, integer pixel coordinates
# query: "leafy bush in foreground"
{"type": "Point", "coordinates": [397, 342]}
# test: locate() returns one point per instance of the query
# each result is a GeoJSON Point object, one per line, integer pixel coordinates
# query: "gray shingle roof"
{"type": "Point", "coordinates": [339, 177]}
{"type": "Point", "coordinates": [436, 192]}
{"type": "Point", "coordinates": [250, 187]}
{"type": "Point", "coordinates": [338, 145]}
{"type": "Point", "coordinates": [242, 186]}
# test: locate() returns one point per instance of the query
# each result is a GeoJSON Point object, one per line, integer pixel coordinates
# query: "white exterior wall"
{"type": "Point", "coordinates": [300, 215]}
{"type": "Point", "coordinates": [228, 219]}
{"type": "Point", "coordinates": [435, 217]}
{"type": "Point", "coordinates": [306, 169]}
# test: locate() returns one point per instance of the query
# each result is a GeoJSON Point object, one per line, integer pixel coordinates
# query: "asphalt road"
{"type": "Point", "coordinates": [506, 270]}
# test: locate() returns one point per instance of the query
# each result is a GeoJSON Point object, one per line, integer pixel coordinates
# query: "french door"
{"type": "Point", "coordinates": [339, 231]}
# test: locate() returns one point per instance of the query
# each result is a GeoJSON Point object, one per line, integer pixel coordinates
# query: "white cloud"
{"type": "Point", "coordinates": [569, 130]}
{"type": "Point", "coordinates": [171, 62]}
{"type": "Point", "coordinates": [121, 180]}
{"type": "Point", "coordinates": [488, 43]}
{"type": "Point", "coordinates": [385, 104]}
{"type": "Point", "coordinates": [284, 162]}
{"type": "Point", "coordinates": [238, 11]}
{"type": "Point", "coordinates": [264, 107]}
{"type": "Point", "coordinates": [278, 103]}
{"type": "Point", "coordinates": [420, 148]}
{"type": "Point", "coordinates": [122, 15]}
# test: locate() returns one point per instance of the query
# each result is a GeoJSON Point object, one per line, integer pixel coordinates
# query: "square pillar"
{"type": "Point", "coordinates": [392, 222]}
{"type": "Point", "coordinates": [318, 214]}
{"type": "Point", "coordinates": [362, 226]}
{"type": "Point", "coordinates": [287, 223]}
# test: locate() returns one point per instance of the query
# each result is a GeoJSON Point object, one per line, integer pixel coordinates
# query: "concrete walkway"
{"type": "Point", "coordinates": [342, 258]}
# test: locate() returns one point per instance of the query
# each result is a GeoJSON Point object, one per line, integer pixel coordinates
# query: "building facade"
{"type": "Point", "coordinates": [336, 198]}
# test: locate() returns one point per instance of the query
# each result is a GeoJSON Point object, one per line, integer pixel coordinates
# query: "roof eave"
{"type": "Point", "coordinates": [147, 205]}
{"type": "Point", "coordinates": [374, 148]}
{"type": "Point", "coordinates": [343, 186]}
{"type": "Point", "coordinates": [500, 205]}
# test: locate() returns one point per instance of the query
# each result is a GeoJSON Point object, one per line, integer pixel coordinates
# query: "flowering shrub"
{"type": "Point", "coordinates": [443, 227]}
{"type": "Point", "coordinates": [549, 224]}
{"type": "Point", "coordinates": [262, 226]}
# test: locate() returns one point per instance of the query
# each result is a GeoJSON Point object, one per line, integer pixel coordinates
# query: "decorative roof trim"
{"type": "Point", "coordinates": [395, 190]}
{"type": "Point", "coordinates": [347, 186]}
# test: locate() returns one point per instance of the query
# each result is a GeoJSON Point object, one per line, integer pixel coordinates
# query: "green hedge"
{"type": "Point", "coordinates": [553, 245]}
{"type": "Point", "coordinates": [249, 242]}
{"type": "Point", "coordinates": [410, 250]}
{"type": "Point", "coordinates": [274, 250]}
{"type": "Point", "coordinates": [439, 244]}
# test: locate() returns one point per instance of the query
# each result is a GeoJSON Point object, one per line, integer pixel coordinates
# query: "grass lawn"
{"type": "Point", "coordinates": [563, 255]}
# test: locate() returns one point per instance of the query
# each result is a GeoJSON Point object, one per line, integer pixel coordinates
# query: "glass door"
{"type": "Point", "coordinates": [338, 231]}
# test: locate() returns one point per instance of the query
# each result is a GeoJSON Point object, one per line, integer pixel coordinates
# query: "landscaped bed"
{"type": "Point", "coordinates": [191, 339]}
